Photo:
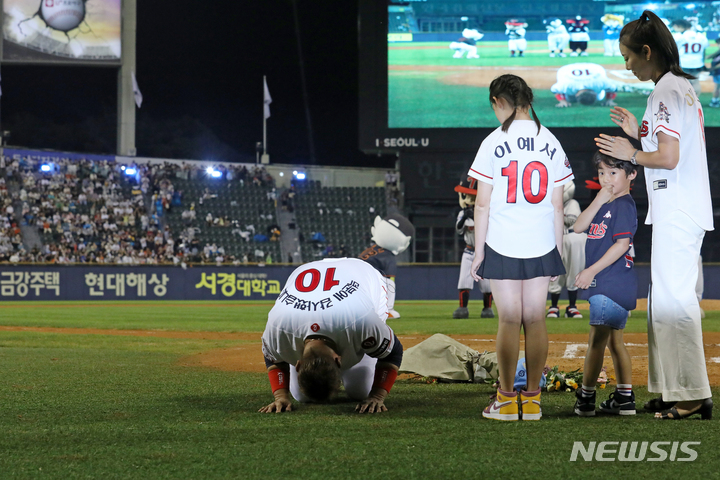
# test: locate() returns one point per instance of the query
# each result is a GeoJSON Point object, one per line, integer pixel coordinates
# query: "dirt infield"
{"type": "Point", "coordinates": [566, 350]}
{"type": "Point", "coordinates": [537, 77]}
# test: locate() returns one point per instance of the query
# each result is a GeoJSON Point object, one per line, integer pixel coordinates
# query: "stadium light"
{"type": "Point", "coordinates": [213, 173]}
{"type": "Point", "coordinates": [299, 175]}
{"type": "Point", "coordinates": [45, 167]}
{"type": "Point", "coordinates": [130, 171]}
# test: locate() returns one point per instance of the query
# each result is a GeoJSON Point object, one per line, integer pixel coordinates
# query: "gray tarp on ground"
{"type": "Point", "coordinates": [442, 357]}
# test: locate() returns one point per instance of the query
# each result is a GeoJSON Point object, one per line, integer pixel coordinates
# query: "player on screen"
{"type": "Point", "coordinates": [328, 328]}
{"type": "Point", "coordinates": [515, 30]}
{"type": "Point", "coordinates": [558, 37]}
{"type": "Point", "coordinates": [691, 47]}
{"type": "Point", "coordinates": [715, 72]}
{"type": "Point", "coordinates": [584, 83]}
{"type": "Point", "coordinates": [467, 44]}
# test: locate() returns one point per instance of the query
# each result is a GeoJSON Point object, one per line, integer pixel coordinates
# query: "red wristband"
{"type": "Point", "coordinates": [560, 96]}
{"type": "Point", "coordinates": [279, 379]}
{"type": "Point", "coordinates": [385, 378]}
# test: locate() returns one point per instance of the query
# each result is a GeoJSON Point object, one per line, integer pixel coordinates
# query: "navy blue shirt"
{"type": "Point", "coordinates": [383, 260]}
{"type": "Point", "coordinates": [614, 220]}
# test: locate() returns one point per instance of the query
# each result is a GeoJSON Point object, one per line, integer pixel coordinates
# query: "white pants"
{"type": "Point", "coordinates": [612, 47]}
{"type": "Point", "coordinates": [558, 41]}
{"type": "Point", "coordinates": [466, 282]}
{"type": "Point", "coordinates": [357, 380]}
{"type": "Point", "coordinates": [460, 49]}
{"type": "Point", "coordinates": [573, 258]}
{"type": "Point", "coordinates": [519, 44]}
{"type": "Point", "coordinates": [675, 345]}
{"type": "Point", "coordinates": [700, 285]}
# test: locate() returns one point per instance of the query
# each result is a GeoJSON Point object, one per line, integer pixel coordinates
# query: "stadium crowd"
{"type": "Point", "coordinates": [103, 212]}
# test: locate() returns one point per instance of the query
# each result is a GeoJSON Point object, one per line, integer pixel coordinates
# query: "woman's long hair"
{"type": "Point", "coordinates": [651, 31]}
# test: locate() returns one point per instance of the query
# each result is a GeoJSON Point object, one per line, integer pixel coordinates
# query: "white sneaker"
{"type": "Point", "coordinates": [393, 314]}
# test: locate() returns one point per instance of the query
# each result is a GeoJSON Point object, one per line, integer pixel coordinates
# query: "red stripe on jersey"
{"type": "Point", "coordinates": [665, 128]}
{"type": "Point", "coordinates": [563, 178]}
{"type": "Point", "coordinates": [481, 174]}
{"type": "Point", "coordinates": [622, 233]}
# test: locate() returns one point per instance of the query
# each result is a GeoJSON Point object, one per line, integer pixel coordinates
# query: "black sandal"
{"type": "Point", "coordinates": [658, 405]}
{"type": "Point", "coordinates": [705, 412]}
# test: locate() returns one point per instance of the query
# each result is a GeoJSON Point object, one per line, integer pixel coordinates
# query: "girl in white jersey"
{"type": "Point", "coordinates": [679, 209]}
{"type": "Point", "coordinates": [519, 219]}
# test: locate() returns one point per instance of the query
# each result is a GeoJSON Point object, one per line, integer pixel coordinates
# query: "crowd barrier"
{"type": "Point", "coordinates": [92, 282]}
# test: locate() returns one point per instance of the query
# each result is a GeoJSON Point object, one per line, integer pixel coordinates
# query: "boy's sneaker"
{"type": "Point", "coordinates": [553, 312]}
{"type": "Point", "coordinates": [530, 402]}
{"type": "Point", "coordinates": [572, 312]}
{"type": "Point", "coordinates": [619, 404]}
{"type": "Point", "coordinates": [503, 407]}
{"type": "Point", "coordinates": [714, 103]}
{"type": "Point", "coordinates": [584, 406]}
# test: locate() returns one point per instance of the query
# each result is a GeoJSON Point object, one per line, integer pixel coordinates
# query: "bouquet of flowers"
{"type": "Point", "coordinates": [559, 381]}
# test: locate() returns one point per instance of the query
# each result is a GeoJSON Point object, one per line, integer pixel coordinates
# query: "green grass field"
{"type": "Point", "coordinates": [108, 406]}
{"type": "Point", "coordinates": [429, 96]}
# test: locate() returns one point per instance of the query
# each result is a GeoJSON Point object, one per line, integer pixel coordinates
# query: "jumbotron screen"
{"type": "Point", "coordinates": [62, 31]}
{"type": "Point", "coordinates": [442, 56]}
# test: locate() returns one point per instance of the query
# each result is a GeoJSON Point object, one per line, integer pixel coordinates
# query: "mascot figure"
{"type": "Point", "coordinates": [557, 35]}
{"type": "Point", "coordinates": [467, 43]}
{"type": "Point", "coordinates": [573, 258]}
{"type": "Point", "coordinates": [391, 236]}
{"type": "Point", "coordinates": [515, 30]}
{"type": "Point", "coordinates": [579, 36]}
{"type": "Point", "coordinates": [612, 24]}
{"type": "Point", "coordinates": [465, 226]}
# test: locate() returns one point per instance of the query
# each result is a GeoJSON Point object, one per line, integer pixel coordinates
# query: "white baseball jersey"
{"type": "Point", "coordinates": [556, 29]}
{"type": "Point", "coordinates": [582, 76]}
{"type": "Point", "coordinates": [691, 47]}
{"type": "Point", "coordinates": [674, 109]}
{"type": "Point", "coordinates": [342, 299]}
{"type": "Point", "coordinates": [523, 167]}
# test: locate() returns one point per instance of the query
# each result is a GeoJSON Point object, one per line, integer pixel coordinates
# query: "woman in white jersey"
{"type": "Point", "coordinates": [679, 209]}
{"type": "Point", "coordinates": [521, 168]}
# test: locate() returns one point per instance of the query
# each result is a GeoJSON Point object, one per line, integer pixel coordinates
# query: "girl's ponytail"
{"type": "Point", "coordinates": [517, 93]}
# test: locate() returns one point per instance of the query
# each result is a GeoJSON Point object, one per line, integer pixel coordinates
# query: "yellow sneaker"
{"type": "Point", "coordinates": [504, 407]}
{"type": "Point", "coordinates": [530, 402]}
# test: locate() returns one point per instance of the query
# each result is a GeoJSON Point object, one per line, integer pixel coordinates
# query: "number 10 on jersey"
{"type": "Point", "coordinates": [511, 171]}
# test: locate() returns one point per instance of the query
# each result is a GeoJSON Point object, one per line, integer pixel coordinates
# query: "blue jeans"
{"type": "Point", "coordinates": [603, 311]}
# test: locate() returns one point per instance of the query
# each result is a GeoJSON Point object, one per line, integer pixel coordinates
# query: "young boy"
{"type": "Point", "coordinates": [609, 283]}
